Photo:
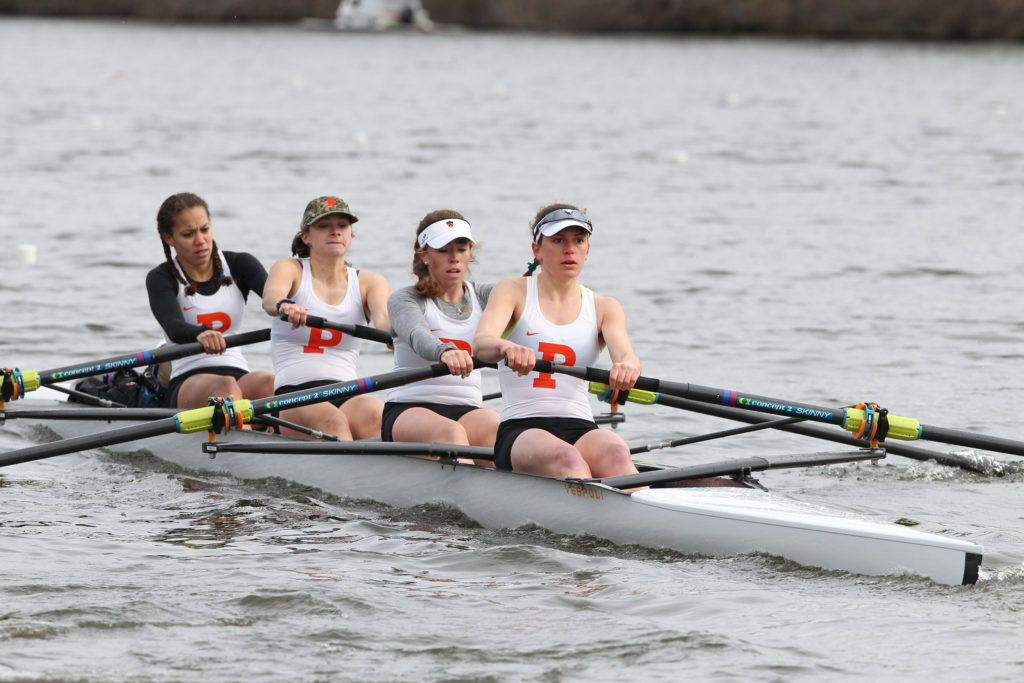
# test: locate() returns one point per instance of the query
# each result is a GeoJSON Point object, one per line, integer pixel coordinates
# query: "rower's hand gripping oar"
{"type": "Point", "coordinates": [15, 383]}
{"type": "Point", "coordinates": [361, 331]}
{"type": "Point", "coordinates": [851, 419]}
{"type": "Point", "coordinates": [226, 413]}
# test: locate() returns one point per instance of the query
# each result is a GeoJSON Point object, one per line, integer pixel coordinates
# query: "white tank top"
{"type": "Point", "coordinates": [447, 390]}
{"type": "Point", "coordinates": [309, 353]}
{"type": "Point", "coordinates": [550, 395]}
{"type": "Point", "coordinates": [221, 311]}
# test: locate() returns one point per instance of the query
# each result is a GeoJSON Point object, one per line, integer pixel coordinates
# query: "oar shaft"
{"type": "Point", "coordinates": [364, 385]}
{"type": "Point", "coordinates": [766, 424]}
{"type": "Point", "coordinates": [134, 360]}
{"type": "Point", "coordinates": [814, 431]}
{"type": "Point", "coordinates": [982, 441]}
{"type": "Point", "coordinates": [87, 398]}
{"type": "Point", "coordinates": [200, 419]}
{"type": "Point", "coordinates": [353, 448]}
{"type": "Point", "coordinates": [738, 467]}
{"type": "Point", "coordinates": [87, 441]}
{"type": "Point", "coordinates": [711, 395]}
{"type": "Point", "coordinates": [301, 429]}
{"type": "Point", "coordinates": [87, 414]}
{"type": "Point", "coordinates": [904, 428]}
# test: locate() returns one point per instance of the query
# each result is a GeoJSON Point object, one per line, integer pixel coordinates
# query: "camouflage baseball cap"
{"type": "Point", "coordinates": [321, 206]}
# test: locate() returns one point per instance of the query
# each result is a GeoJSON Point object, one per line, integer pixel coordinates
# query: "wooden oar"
{"type": "Point", "coordinates": [15, 383]}
{"type": "Point", "coordinates": [202, 419]}
{"type": "Point", "coordinates": [739, 467]}
{"type": "Point", "coordinates": [851, 419]}
{"type": "Point", "coordinates": [813, 431]}
{"type": "Point", "coordinates": [361, 331]}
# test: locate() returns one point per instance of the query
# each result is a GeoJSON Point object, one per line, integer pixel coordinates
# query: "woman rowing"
{"type": "Point", "coordinates": [198, 295]}
{"type": "Point", "coordinates": [435, 320]}
{"type": "Point", "coordinates": [319, 281]}
{"type": "Point", "coordinates": [547, 426]}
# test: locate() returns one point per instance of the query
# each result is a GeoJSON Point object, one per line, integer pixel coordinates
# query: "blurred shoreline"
{"type": "Point", "coordinates": [855, 19]}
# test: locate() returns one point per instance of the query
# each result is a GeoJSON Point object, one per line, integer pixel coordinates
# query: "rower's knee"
{"type": "Point", "coordinates": [567, 462]}
{"type": "Point", "coordinates": [615, 460]}
{"type": "Point", "coordinates": [452, 432]}
{"type": "Point", "coordinates": [338, 426]}
{"type": "Point", "coordinates": [224, 386]}
{"type": "Point", "coordinates": [364, 416]}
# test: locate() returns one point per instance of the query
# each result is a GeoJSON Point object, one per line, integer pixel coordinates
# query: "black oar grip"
{"type": "Point", "coordinates": [593, 374]}
{"type": "Point", "coordinates": [361, 331]}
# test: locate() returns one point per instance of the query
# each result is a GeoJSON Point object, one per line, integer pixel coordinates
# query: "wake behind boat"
{"type": "Point", "coordinates": [711, 521]}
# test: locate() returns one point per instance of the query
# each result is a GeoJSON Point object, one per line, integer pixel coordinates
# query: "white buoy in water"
{"type": "Point", "coordinates": [26, 253]}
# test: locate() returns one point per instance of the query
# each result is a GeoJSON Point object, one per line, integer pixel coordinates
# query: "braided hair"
{"type": "Point", "coordinates": [165, 219]}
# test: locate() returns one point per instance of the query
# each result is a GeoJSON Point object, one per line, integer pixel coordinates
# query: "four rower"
{"type": "Point", "coordinates": [435, 320]}
{"type": "Point", "coordinates": [320, 281]}
{"type": "Point", "coordinates": [199, 295]}
{"type": "Point", "coordinates": [546, 425]}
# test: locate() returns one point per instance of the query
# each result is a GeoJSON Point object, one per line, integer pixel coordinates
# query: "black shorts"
{"type": "Point", "coordinates": [568, 429]}
{"type": "Point", "coordinates": [393, 410]}
{"type": "Point", "coordinates": [312, 384]}
{"type": "Point", "coordinates": [174, 385]}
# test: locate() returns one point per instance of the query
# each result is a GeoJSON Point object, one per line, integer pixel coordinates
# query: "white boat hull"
{"type": "Point", "coordinates": [720, 521]}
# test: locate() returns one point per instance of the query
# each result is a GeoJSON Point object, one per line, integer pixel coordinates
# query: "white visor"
{"type": "Point", "coordinates": [549, 229]}
{"type": "Point", "coordinates": [438, 234]}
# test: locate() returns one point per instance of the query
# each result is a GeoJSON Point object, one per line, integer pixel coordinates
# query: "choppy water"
{"type": "Point", "coordinates": [824, 222]}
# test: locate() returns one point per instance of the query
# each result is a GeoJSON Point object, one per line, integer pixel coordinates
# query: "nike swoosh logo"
{"type": "Point", "coordinates": [438, 329]}
{"type": "Point", "coordinates": [530, 334]}
{"type": "Point", "coordinates": [189, 308]}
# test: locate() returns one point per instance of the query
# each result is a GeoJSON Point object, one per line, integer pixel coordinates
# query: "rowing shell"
{"type": "Point", "coordinates": [719, 521]}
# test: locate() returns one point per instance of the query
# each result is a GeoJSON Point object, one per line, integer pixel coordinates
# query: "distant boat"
{"type": "Point", "coordinates": [375, 15]}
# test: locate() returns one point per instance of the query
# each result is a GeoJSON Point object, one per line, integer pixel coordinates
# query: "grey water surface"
{"type": "Point", "coordinates": [818, 221]}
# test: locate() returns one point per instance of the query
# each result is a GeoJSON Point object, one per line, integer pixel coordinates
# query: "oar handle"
{"type": "Point", "coordinates": [361, 331]}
